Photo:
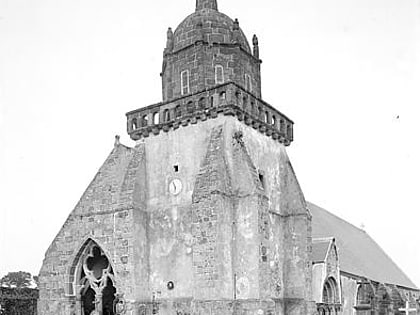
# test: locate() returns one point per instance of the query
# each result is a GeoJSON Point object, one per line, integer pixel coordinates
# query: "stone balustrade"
{"type": "Point", "coordinates": [227, 99]}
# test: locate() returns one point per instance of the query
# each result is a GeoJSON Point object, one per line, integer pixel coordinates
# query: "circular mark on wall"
{"type": "Point", "coordinates": [170, 285]}
{"type": "Point", "coordinates": [242, 287]}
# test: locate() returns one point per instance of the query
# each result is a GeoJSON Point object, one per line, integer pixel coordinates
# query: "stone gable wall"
{"type": "Point", "coordinates": [102, 217]}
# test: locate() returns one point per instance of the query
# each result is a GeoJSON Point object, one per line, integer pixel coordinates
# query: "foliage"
{"type": "Point", "coordinates": [19, 279]}
{"type": "Point", "coordinates": [15, 301]}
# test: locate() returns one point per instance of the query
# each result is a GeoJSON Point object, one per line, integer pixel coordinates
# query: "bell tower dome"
{"type": "Point", "coordinates": [208, 48]}
{"type": "Point", "coordinates": [210, 68]}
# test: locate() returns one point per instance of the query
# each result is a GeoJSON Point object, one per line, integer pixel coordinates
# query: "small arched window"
{"type": "Point", "coordinates": [201, 103]}
{"type": "Point", "coordinates": [178, 112]}
{"type": "Point", "coordinates": [266, 118]}
{"type": "Point", "coordinates": [223, 96]}
{"type": "Point", "coordinates": [134, 125]}
{"type": "Point", "coordinates": [260, 113]}
{"type": "Point", "coordinates": [185, 82]}
{"type": "Point", "coordinates": [273, 120]}
{"type": "Point", "coordinates": [166, 115]}
{"type": "Point", "coordinates": [289, 131]}
{"type": "Point", "coordinates": [282, 126]}
{"type": "Point", "coordinates": [219, 77]}
{"type": "Point", "coordinates": [190, 107]}
{"type": "Point", "coordinates": [245, 101]}
{"type": "Point", "coordinates": [144, 121]}
{"type": "Point", "coordinates": [253, 109]}
{"type": "Point", "coordinates": [156, 118]}
{"type": "Point", "coordinates": [211, 101]}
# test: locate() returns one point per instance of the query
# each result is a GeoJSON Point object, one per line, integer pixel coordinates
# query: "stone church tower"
{"type": "Point", "coordinates": [204, 215]}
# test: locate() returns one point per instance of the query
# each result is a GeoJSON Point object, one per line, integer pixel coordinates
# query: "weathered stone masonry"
{"type": "Point", "coordinates": [204, 215]}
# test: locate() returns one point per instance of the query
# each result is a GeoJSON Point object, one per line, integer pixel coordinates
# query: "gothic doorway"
{"type": "Point", "coordinates": [96, 283]}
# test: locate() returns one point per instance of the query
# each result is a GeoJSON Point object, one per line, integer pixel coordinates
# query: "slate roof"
{"type": "Point", "coordinates": [358, 253]}
{"type": "Point", "coordinates": [320, 249]}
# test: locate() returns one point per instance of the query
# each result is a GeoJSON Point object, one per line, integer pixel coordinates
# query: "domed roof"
{"type": "Point", "coordinates": [210, 25]}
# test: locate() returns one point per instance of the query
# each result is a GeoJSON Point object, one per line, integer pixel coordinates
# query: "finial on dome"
{"type": "Point", "coordinates": [236, 32]}
{"type": "Point", "coordinates": [117, 141]}
{"type": "Point", "coordinates": [205, 4]}
{"type": "Point", "coordinates": [169, 40]}
{"type": "Point", "coordinates": [256, 50]}
{"type": "Point", "coordinates": [236, 25]}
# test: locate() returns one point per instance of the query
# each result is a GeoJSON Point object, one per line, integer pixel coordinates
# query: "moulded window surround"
{"type": "Point", "coordinates": [185, 82]}
{"type": "Point", "coordinates": [219, 77]}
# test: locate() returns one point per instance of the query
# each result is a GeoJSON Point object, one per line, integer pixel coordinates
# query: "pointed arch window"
{"type": "Point", "coordinates": [185, 82]}
{"type": "Point", "coordinates": [94, 280]}
{"type": "Point", "coordinates": [219, 75]}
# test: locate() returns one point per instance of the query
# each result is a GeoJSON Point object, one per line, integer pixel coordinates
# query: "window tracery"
{"type": "Point", "coordinates": [97, 293]}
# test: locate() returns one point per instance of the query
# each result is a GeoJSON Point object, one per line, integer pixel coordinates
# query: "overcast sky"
{"type": "Point", "coordinates": [346, 71]}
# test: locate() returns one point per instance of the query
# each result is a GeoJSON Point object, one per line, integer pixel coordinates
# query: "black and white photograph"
{"type": "Point", "coordinates": [209, 157]}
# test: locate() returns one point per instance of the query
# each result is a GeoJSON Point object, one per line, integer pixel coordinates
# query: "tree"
{"type": "Point", "coordinates": [19, 279]}
{"type": "Point", "coordinates": [36, 280]}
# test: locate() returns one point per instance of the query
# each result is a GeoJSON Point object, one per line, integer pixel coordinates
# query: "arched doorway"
{"type": "Point", "coordinates": [95, 282]}
{"type": "Point", "coordinates": [330, 298]}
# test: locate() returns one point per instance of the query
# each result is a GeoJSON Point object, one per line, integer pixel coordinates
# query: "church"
{"type": "Point", "coordinates": [205, 215]}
